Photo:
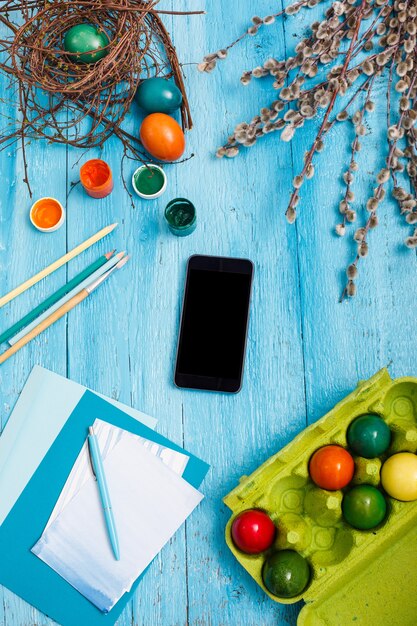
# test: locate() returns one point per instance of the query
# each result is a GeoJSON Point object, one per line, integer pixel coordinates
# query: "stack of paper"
{"type": "Point", "coordinates": [54, 547]}
{"type": "Point", "coordinates": [150, 500]}
{"type": "Point", "coordinates": [45, 404]}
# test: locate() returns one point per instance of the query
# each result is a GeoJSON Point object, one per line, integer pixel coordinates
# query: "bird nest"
{"type": "Point", "coordinates": [82, 104]}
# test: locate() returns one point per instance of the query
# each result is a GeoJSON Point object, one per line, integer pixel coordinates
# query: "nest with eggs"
{"type": "Point", "coordinates": [65, 99]}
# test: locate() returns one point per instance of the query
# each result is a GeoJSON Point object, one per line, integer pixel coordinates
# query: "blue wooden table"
{"type": "Point", "coordinates": [305, 350]}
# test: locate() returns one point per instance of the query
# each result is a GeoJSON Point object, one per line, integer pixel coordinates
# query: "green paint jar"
{"type": "Point", "coordinates": [181, 217]}
{"type": "Point", "coordinates": [149, 181]}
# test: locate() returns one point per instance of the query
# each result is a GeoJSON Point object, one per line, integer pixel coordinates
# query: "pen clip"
{"type": "Point", "coordinates": [90, 458]}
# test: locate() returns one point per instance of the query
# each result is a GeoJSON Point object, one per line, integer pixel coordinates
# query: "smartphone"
{"type": "Point", "coordinates": [214, 321]}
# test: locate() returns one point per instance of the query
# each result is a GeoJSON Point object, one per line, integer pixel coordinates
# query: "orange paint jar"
{"type": "Point", "coordinates": [47, 215]}
{"type": "Point", "coordinates": [96, 178]}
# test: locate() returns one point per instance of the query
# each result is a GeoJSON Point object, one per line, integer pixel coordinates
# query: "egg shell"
{"type": "Point", "coordinates": [364, 507]}
{"type": "Point", "coordinates": [399, 476]}
{"type": "Point", "coordinates": [253, 531]}
{"type": "Point", "coordinates": [331, 467]}
{"type": "Point", "coordinates": [286, 573]}
{"type": "Point", "coordinates": [158, 95]}
{"type": "Point", "coordinates": [86, 40]}
{"type": "Point", "coordinates": [369, 436]}
{"type": "Point", "coordinates": [162, 137]}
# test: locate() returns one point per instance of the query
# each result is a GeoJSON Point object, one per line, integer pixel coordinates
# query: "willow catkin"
{"type": "Point", "coordinates": [356, 44]}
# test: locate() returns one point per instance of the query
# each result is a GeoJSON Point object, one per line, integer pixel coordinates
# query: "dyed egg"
{"type": "Point", "coordinates": [162, 137]}
{"type": "Point", "coordinates": [286, 573]}
{"type": "Point", "coordinates": [253, 531]}
{"type": "Point", "coordinates": [399, 476]}
{"type": "Point", "coordinates": [369, 436]}
{"type": "Point", "coordinates": [364, 507]}
{"type": "Point", "coordinates": [331, 467]}
{"type": "Point", "coordinates": [158, 95]}
{"type": "Point", "coordinates": [84, 39]}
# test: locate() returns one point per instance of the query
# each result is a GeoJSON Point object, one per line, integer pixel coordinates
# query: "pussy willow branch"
{"type": "Point", "coordinates": [380, 36]}
{"type": "Point", "coordinates": [377, 194]}
{"type": "Point", "coordinates": [348, 215]}
{"type": "Point", "coordinates": [322, 130]}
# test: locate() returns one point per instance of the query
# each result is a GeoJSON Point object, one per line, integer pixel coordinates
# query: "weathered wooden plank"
{"type": "Point", "coordinates": [122, 341]}
{"type": "Point", "coordinates": [23, 252]}
{"type": "Point", "coordinates": [236, 202]}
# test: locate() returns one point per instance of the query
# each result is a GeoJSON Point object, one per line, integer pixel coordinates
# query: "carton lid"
{"type": "Point", "coordinates": [380, 592]}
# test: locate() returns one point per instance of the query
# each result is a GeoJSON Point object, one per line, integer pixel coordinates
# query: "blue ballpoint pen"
{"type": "Point", "coordinates": [98, 471]}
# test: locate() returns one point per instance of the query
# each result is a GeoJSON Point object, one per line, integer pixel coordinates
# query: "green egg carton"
{"type": "Point", "coordinates": [363, 577]}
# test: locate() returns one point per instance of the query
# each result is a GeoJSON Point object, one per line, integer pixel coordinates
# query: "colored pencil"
{"type": "Point", "coordinates": [43, 306]}
{"type": "Point", "coordinates": [68, 306]}
{"type": "Point", "coordinates": [56, 264]}
{"type": "Point", "coordinates": [104, 268]}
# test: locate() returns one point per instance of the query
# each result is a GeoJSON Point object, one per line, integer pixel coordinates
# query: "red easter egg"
{"type": "Point", "coordinates": [253, 531]}
{"type": "Point", "coordinates": [162, 137]}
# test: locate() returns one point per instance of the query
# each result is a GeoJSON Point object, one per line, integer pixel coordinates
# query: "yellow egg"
{"type": "Point", "coordinates": [399, 476]}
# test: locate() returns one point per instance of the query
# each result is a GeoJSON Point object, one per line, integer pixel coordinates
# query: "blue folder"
{"type": "Point", "coordinates": [24, 573]}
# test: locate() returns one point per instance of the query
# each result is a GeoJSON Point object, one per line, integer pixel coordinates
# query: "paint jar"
{"type": "Point", "coordinates": [149, 181]}
{"type": "Point", "coordinates": [96, 178]}
{"type": "Point", "coordinates": [47, 215]}
{"type": "Point", "coordinates": [181, 217]}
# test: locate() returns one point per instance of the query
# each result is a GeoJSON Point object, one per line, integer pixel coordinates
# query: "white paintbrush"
{"type": "Point", "coordinates": [51, 319]}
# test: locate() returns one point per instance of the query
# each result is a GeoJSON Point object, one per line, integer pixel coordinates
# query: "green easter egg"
{"type": "Point", "coordinates": [84, 39]}
{"type": "Point", "coordinates": [369, 436]}
{"type": "Point", "coordinates": [286, 573]}
{"type": "Point", "coordinates": [158, 95]}
{"type": "Point", "coordinates": [364, 507]}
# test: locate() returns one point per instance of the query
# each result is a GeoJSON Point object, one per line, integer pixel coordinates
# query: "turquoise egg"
{"type": "Point", "coordinates": [85, 39]}
{"type": "Point", "coordinates": [158, 95]}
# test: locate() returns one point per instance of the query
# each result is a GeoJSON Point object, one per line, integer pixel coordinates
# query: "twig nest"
{"type": "Point", "coordinates": [78, 64]}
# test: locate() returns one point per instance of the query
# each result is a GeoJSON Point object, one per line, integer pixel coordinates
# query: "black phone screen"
{"type": "Point", "coordinates": [214, 321]}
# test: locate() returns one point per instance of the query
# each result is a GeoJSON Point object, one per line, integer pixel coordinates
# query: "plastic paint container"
{"type": "Point", "coordinates": [47, 215]}
{"type": "Point", "coordinates": [181, 217]}
{"type": "Point", "coordinates": [96, 178]}
{"type": "Point", "coordinates": [149, 181]}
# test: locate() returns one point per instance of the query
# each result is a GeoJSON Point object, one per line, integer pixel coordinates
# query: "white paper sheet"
{"type": "Point", "coordinates": [44, 405]}
{"type": "Point", "coordinates": [150, 502]}
{"type": "Point", "coordinates": [108, 436]}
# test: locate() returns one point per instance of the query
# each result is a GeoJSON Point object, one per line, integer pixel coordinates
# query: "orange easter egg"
{"type": "Point", "coordinates": [162, 137]}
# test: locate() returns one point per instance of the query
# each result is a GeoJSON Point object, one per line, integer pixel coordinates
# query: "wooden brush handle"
{"type": "Point", "coordinates": [56, 315]}
{"type": "Point", "coordinates": [54, 266]}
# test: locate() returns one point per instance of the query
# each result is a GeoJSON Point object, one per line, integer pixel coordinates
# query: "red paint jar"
{"type": "Point", "coordinates": [96, 178]}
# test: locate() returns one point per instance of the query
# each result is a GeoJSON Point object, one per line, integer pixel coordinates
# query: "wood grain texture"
{"type": "Point", "coordinates": [305, 351]}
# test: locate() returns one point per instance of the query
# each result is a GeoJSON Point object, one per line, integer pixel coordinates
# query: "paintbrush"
{"type": "Point", "coordinates": [65, 308]}
{"type": "Point", "coordinates": [54, 307]}
{"type": "Point", "coordinates": [56, 296]}
{"type": "Point", "coordinates": [58, 263]}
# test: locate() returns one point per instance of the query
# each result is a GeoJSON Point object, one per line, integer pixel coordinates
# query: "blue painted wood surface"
{"type": "Point", "coordinates": [305, 351]}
